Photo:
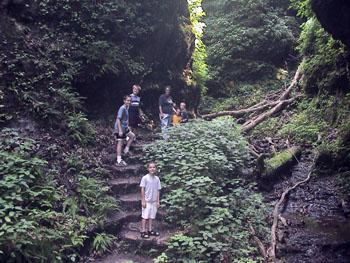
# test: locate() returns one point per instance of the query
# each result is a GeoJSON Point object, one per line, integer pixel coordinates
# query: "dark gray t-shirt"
{"type": "Point", "coordinates": [123, 115]}
{"type": "Point", "coordinates": [167, 104]}
{"type": "Point", "coordinates": [184, 116]}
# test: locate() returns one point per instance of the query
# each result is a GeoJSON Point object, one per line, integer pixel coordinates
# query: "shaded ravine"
{"type": "Point", "coordinates": [317, 230]}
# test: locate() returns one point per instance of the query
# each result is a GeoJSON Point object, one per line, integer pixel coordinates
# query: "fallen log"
{"type": "Point", "coordinates": [250, 124]}
{"type": "Point", "coordinates": [268, 171]}
{"type": "Point", "coordinates": [239, 113]}
{"type": "Point", "coordinates": [283, 101]}
{"type": "Point", "coordinates": [258, 106]}
{"type": "Point", "coordinates": [285, 94]}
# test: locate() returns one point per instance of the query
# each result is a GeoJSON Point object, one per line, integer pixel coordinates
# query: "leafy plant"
{"type": "Point", "coordinates": [27, 201]}
{"type": "Point", "coordinates": [40, 221]}
{"type": "Point", "coordinates": [93, 198]}
{"type": "Point", "coordinates": [306, 126]}
{"type": "Point", "coordinates": [102, 242]}
{"type": "Point", "coordinates": [199, 167]}
{"type": "Point", "coordinates": [80, 129]}
{"type": "Point", "coordinates": [90, 195]}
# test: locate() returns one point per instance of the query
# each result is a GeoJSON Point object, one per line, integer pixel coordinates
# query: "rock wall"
{"type": "Point", "coordinates": [334, 16]}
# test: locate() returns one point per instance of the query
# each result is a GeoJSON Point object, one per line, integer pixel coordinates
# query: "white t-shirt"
{"type": "Point", "coordinates": [151, 183]}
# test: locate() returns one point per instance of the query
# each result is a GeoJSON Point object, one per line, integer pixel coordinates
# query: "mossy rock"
{"type": "Point", "coordinates": [273, 167]}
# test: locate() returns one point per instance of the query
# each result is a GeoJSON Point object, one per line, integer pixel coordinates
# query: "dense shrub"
{"type": "Point", "coordinates": [41, 221]}
{"type": "Point", "coordinates": [247, 41]}
{"type": "Point", "coordinates": [200, 169]}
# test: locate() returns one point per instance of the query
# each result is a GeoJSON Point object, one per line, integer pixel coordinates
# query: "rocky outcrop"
{"type": "Point", "coordinates": [334, 16]}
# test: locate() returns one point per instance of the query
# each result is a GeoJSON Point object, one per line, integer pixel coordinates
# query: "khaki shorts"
{"type": "Point", "coordinates": [150, 211]}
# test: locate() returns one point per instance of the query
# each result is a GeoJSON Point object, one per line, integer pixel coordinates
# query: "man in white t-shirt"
{"type": "Point", "coordinates": [150, 187]}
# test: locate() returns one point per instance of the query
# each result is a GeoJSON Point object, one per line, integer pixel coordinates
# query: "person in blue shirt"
{"type": "Point", "coordinates": [121, 128]}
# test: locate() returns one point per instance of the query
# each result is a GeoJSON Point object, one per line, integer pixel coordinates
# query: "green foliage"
{"type": "Point", "coordinates": [4, 117]}
{"type": "Point", "coordinates": [79, 128]}
{"type": "Point", "coordinates": [68, 44]}
{"type": "Point", "coordinates": [306, 126]}
{"type": "Point", "coordinates": [199, 66]}
{"type": "Point", "coordinates": [199, 166]}
{"type": "Point", "coordinates": [102, 242]}
{"type": "Point", "coordinates": [91, 196]}
{"type": "Point", "coordinates": [27, 200]}
{"type": "Point", "coordinates": [267, 128]}
{"type": "Point", "coordinates": [321, 122]}
{"type": "Point", "coordinates": [40, 222]}
{"type": "Point", "coordinates": [277, 160]}
{"type": "Point", "coordinates": [246, 41]}
{"type": "Point", "coordinates": [342, 179]}
{"type": "Point", "coordinates": [303, 7]}
{"type": "Point", "coordinates": [210, 104]}
{"type": "Point", "coordinates": [325, 65]}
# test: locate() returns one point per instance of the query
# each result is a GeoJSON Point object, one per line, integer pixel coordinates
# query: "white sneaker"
{"type": "Point", "coordinates": [122, 163]}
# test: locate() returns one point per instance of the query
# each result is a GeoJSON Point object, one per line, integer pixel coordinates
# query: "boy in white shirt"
{"type": "Point", "coordinates": [150, 187]}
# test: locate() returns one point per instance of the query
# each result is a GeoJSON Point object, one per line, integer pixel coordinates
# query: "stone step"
{"type": "Point", "coordinates": [126, 171]}
{"type": "Point", "coordinates": [145, 135]}
{"type": "Point", "coordinates": [134, 239]}
{"type": "Point", "coordinates": [132, 158]}
{"type": "Point", "coordinates": [115, 256]}
{"type": "Point", "coordinates": [126, 185]}
{"type": "Point", "coordinates": [118, 219]}
{"type": "Point", "coordinates": [115, 221]}
{"type": "Point", "coordinates": [131, 201]}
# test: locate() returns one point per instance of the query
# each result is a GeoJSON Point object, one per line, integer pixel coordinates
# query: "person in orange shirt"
{"type": "Point", "coordinates": [177, 117]}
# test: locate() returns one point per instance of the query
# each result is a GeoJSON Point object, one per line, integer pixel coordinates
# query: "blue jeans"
{"type": "Point", "coordinates": [164, 124]}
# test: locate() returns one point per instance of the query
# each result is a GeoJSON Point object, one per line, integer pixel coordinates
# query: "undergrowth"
{"type": "Point", "coordinates": [43, 219]}
{"type": "Point", "coordinates": [206, 195]}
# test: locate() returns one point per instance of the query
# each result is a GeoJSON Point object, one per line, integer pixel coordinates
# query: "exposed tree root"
{"type": "Point", "coordinates": [271, 252]}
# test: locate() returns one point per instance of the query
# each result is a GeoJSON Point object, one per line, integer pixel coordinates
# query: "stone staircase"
{"type": "Point", "coordinates": [125, 223]}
